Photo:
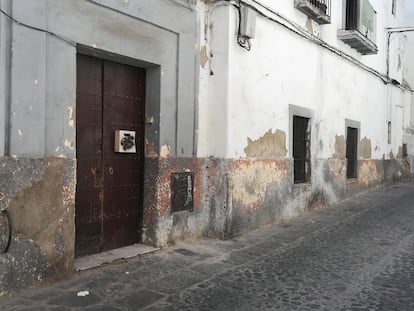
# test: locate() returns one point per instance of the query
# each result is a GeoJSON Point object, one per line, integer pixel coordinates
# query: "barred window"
{"type": "Point", "coordinates": [301, 149]}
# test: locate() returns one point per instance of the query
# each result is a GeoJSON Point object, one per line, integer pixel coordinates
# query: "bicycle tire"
{"type": "Point", "coordinates": [6, 231]}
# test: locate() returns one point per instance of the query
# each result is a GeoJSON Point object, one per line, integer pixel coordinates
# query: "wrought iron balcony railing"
{"type": "Point", "coordinates": [318, 10]}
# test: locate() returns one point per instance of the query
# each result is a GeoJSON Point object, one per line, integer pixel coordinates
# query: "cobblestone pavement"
{"type": "Point", "coordinates": [357, 255]}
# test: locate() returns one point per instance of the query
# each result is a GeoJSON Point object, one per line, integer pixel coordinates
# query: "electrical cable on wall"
{"type": "Point", "coordinates": [241, 40]}
{"type": "Point", "coordinates": [60, 37]}
{"type": "Point", "coordinates": [267, 12]}
{"type": "Point", "coordinates": [305, 34]}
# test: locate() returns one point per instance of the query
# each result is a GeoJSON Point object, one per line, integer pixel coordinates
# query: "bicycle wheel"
{"type": "Point", "coordinates": [5, 231]}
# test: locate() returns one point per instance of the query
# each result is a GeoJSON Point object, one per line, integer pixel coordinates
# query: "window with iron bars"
{"type": "Point", "coordinates": [318, 10]}
{"type": "Point", "coordinates": [301, 150]}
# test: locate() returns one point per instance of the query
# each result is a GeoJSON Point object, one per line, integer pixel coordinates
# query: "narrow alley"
{"type": "Point", "coordinates": [356, 255]}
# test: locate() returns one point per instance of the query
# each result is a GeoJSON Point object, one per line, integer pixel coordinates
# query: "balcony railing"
{"type": "Point", "coordinates": [318, 10]}
{"type": "Point", "coordinates": [360, 27]}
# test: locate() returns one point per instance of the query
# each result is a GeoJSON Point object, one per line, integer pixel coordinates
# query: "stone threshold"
{"type": "Point", "coordinates": [96, 260]}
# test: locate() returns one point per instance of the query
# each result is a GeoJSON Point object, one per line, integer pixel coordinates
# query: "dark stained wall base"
{"type": "Point", "coordinates": [231, 196]}
{"type": "Point", "coordinates": [39, 194]}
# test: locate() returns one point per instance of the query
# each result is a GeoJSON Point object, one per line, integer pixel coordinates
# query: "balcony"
{"type": "Point", "coordinates": [360, 27]}
{"type": "Point", "coordinates": [318, 10]}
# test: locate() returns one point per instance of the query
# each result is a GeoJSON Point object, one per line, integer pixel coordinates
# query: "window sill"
{"type": "Point", "coordinates": [306, 186]}
{"type": "Point", "coordinates": [357, 41]}
{"type": "Point", "coordinates": [352, 180]}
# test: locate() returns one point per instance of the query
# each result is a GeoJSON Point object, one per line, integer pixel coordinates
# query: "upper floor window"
{"type": "Point", "coordinates": [318, 10]}
{"type": "Point", "coordinates": [360, 26]}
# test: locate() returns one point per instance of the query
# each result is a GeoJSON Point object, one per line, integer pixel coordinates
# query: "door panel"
{"type": "Point", "coordinates": [124, 90]}
{"type": "Point", "coordinates": [88, 212]}
{"type": "Point", "coordinates": [109, 192]}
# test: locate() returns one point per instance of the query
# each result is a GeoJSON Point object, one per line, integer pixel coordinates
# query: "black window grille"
{"type": "Point", "coordinates": [351, 152]}
{"type": "Point", "coordinates": [318, 10]}
{"type": "Point", "coordinates": [324, 6]}
{"type": "Point", "coordinates": [301, 150]}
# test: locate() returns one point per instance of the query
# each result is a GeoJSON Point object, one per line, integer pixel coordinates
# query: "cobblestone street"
{"type": "Point", "coordinates": [357, 255]}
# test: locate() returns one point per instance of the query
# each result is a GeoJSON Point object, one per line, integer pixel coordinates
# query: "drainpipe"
{"type": "Point", "coordinates": [6, 34]}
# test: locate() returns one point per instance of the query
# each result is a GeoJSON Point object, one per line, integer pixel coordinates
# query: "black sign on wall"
{"type": "Point", "coordinates": [182, 191]}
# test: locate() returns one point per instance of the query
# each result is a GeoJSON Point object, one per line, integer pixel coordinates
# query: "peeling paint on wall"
{"type": "Point", "coordinates": [71, 117]}
{"type": "Point", "coordinates": [160, 225]}
{"type": "Point", "coordinates": [37, 219]}
{"type": "Point", "coordinates": [43, 225]}
{"type": "Point", "coordinates": [150, 149]}
{"type": "Point", "coordinates": [367, 173]}
{"type": "Point", "coordinates": [165, 151]}
{"type": "Point", "coordinates": [337, 168]}
{"type": "Point", "coordinates": [340, 147]}
{"type": "Point", "coordinates": [203, 56]}
{"type": "Point", "coordinates": [270, 145]}
{"type": "Point", "coordinates": [250, 180]}
{"type": "Point", "coordinates": [364, 148]}
{"type": "Point", "coordinates": [70, 144]}
{"type": "Point", "coordinates": [308, 25]}
{"type": "Point", "coordinates": [401, 51]}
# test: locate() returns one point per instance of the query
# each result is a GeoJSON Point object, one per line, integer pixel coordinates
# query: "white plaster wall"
{"type": "Point", "coordinates": [214, 82]}
{"type": "Point", "coordinates": [266, 80]}
{"type": "Point", "coordinates": [284, 69]}
{"type": "Point", "coordinates": [412, 111]}
{"type": "Point", "coordinates": [152, 34]}
{"type": "Point", "coordinates": [408, 72]}
{"type": "Point", "coordinates": [328, 32]}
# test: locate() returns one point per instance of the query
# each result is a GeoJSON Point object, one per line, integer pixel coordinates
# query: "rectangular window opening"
{"type": "Point", "coordinates": [360, 26]}
{"type": "Point", "coordinates": [404, 151]}
{"type": "Point", "coordinates": [351, 152]}
{"type": "Point", "coordinates": [389, 132]}
{"type": "Point", "coordinates": [351, 20]}
{"type": "Point", "coordinates": [301, 149]}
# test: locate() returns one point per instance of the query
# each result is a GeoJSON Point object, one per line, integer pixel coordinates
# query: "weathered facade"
{"type": "Point", "coordinates": [289, 110]}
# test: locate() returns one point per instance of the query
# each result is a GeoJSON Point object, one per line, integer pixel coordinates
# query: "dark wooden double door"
{"type": "Point", "coordinates": [109, 190]}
